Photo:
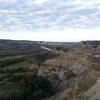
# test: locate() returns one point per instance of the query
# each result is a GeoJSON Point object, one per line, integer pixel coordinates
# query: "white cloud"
{"type": "Point", "coordinates": [41, 1]}
{"type": "Point", "coordinates": [36, 2]}
{"type": "Point", "coordinates": [10, 12]}
{"type": "Point", "coordinates": [49, 15]}
{"type": "Point", "coordinates": [7, 2]}
{"type": "Point", "coordinates": [77, 1]}
{"type": "Point", "coordinates": [2, 1]}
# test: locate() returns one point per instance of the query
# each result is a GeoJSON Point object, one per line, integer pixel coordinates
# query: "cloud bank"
{"type": "Point", "coordinates": [49, 14]}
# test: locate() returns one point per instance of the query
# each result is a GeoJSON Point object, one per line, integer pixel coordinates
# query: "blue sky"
{"type": "Point", "coordinates": [50, 20]}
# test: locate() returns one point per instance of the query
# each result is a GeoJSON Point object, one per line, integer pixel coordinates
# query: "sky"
{"type": "Point", "coordinates": [50, 20]}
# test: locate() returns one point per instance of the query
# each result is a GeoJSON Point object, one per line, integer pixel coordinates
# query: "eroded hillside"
{"type": "Point", "coordinates": [69, 71]}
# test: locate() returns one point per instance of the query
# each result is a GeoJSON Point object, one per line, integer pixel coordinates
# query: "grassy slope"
{"type": "Point", "coordinates": [16, 73]}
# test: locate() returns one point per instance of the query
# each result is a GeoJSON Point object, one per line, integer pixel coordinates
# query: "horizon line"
{"type": "Point", "coordinates": [43, 40]}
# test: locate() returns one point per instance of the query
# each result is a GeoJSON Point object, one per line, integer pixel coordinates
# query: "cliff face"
{"type": "Point", "coordinates": [65, 72]}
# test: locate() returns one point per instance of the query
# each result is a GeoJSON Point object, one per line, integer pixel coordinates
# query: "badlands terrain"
{"type": "Point", "coordinates": [37, 70]}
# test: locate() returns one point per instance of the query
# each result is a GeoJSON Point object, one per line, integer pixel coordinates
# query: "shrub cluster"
{"type": "Point", "coordinates": [30, 87]}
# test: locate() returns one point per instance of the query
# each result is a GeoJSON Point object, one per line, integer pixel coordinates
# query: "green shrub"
{"type": "Point", "coordinates": [10, 61]}
{"type": "Point", "coordinates": [40, 58]}
{"type": "Point", "coordinates": [31, 87]}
